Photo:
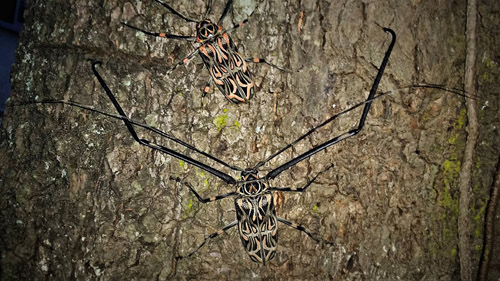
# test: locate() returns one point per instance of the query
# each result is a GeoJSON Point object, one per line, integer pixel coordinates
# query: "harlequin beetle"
{"type": "Point", "coordinates": [226, 66]}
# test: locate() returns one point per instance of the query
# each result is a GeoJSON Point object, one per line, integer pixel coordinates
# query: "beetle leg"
{"type": "Point", "coordinates": [301, 189]}
{"type": "Point", "coordinates": [261, 60]}
{"type": "Point", "coordinates": [201, 199]}
{"type": "Point", "coordinates": [206, 89]}
{"type": "Point", "coordinates": [213, 235]}
{"type": "Point", "coordinates": [303, 229]}
{"type": "Point", "coordinates": [184, 60]}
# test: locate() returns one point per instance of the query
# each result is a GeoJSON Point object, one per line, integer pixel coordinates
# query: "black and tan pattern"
{"type": "Point", "coordinates": [257, 221]}
{"type": "Point", "coordinates": [226, 66]}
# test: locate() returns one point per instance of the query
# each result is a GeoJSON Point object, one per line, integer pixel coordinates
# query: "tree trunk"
{"type": "Point", "coordinates": [81, 200]}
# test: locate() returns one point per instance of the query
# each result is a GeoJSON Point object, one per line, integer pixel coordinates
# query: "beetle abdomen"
{"type": "Point", "coordinates": [228, 69]}
{"type": "Point", "coordinates": [258, 226]}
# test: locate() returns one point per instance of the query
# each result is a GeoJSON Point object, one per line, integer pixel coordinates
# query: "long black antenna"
{"type": "Point", "coordinates": [272, 174]}
{"type": "Point", "coordinates": [175, 12]}
{"type": "Point", "coordinates": [225, 177]}
{"type": "Point", "coordinates": [135, 123]}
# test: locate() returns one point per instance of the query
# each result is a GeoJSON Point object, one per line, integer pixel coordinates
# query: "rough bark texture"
{"type": "Point", "coordinates": [80, 200]}
{"type": "Point", "coordinates": [489, 227]}
{"type": "Point", "coordinates": [464, 187]}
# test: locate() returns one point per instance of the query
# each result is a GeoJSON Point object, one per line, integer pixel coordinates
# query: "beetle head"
{"type": "Point", "coordinates": [206, 29]}
{"type": "Point", "coordinates": [252, 185]}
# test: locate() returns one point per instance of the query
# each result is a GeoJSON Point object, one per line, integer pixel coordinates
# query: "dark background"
{"type": "Point", "coordinates": [10, 24]}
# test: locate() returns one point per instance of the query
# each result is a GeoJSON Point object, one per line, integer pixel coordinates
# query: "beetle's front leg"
{"type": "Point", "coordinates": [201, 199]}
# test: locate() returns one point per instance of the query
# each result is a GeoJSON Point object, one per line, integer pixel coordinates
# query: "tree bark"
{"type": "Point", "coordinates": [489, 227]}
{"type": "Point", "coordinates": [464, 224]}
{"type": "Point", "coordinates": [79, 199]}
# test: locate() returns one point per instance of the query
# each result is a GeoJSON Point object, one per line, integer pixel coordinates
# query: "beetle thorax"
{"type": "Point", "coordinates": [252, 185]}
{"type": "Point", "coordinates": [206, 29]}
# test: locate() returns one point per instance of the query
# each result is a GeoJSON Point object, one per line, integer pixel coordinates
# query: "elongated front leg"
{"type": "Point", "coordinates": [301, 189]}
{"type": "Point", "coordinates": [201, 199]}
{"type": "Point", "coordinates": [272, 174]}
{"type": "Point", "coordinates": [211, 236]}
{"type": "Point", "coordinates": [225, 177]}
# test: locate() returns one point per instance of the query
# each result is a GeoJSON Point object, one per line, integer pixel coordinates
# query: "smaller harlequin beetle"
{"type": "Point", "coordinates": [226, 66]}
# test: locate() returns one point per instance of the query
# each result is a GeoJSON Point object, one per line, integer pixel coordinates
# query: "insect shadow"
{"type": "Point", "coordinates": [226, 66]}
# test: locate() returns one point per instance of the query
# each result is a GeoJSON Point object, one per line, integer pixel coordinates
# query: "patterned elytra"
{"type": "Point", "coordinates": [225, 64]}
{"type": "Point", "coordinates": [257, 220]}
